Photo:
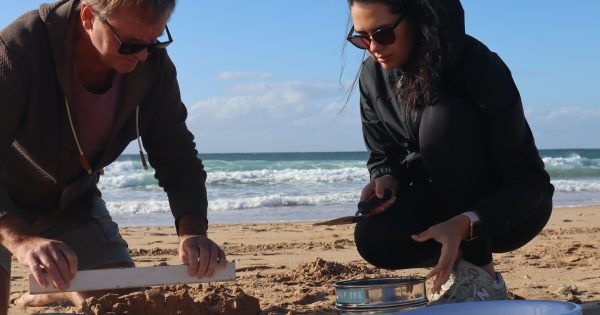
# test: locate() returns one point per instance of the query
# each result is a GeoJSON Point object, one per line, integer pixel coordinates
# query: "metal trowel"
{"type": "Point", "coordinates": [364, 210]}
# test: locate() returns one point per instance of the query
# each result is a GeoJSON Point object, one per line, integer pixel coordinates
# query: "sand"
{"type": "Point", "coordinates": [289, 268]}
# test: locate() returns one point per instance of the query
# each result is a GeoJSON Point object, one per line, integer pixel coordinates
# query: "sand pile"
{"type": "Point", "coordinates": [319, 272]}
{"type": "Point", "coordinates": [306, 288]}
{"type": "Point", "coordinates": [182, 299]}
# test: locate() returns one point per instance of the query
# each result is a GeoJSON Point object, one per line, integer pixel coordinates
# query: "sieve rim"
{"type": "Point", "coordinates": [370, 283]}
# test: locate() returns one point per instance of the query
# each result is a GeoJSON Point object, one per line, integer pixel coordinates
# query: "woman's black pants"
{"type": "Point", "coordinates": [452, 175]}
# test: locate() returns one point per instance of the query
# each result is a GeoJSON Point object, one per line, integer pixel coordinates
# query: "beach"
{"type": "Point", "coordinates": [289, 267]}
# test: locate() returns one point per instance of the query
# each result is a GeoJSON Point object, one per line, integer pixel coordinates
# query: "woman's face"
{"type": "Point", "coordinates": [370, 17]}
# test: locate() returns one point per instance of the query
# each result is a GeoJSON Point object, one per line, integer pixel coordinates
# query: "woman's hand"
{"type": "Point", "coordinates": [377, 187]}
{"type": "Point", "coordinates": [450, 234]}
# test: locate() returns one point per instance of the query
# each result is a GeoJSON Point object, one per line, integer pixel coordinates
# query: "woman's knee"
{"type": "Point", "coordinates": [393, 248]}
{"type": "Point", "coordinates": [371, 246]}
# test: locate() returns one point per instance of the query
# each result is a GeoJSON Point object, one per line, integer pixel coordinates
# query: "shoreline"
{"type": "Point", "coordinates": [560, 208]}
{"type": "Point", "coordinates": [291, 266]}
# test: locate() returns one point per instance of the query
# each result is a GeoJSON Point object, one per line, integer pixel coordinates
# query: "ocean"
{"type": "Point", "coordinates": [275, 187]}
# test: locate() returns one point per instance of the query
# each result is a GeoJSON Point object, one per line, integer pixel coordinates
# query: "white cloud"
{"type": "Point", "coordinates": [275, 116]}
{"type": "Point", "coordinates": [284, 99]}
{"type": "Point", "coordinates": [233, 75]}
{"type": "Point", "coordinates": [576, 113]}
{"type": "Point", "coordinates": [249, 87]}
{"type": "Point", "coordinates": [565, 127]}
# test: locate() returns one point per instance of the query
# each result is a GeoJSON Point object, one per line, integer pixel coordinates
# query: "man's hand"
{"type": "Point", "coordinates": [202, 255]}
{"type": "Point", "coordinates": [377, 187]}
{"type": "Point", "coordinates": [50, 261]}
{"type": "Point", "coordinates": [450, 234]}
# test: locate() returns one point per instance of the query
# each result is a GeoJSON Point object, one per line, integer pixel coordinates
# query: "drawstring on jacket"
{"type": "Point", "coordinates": [84, 161]}
{"type": "Point", "coordinates": [139, 141]}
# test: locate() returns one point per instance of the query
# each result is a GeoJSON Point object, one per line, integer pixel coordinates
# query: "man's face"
{"type": "Point", "coordinates": [127, 25]}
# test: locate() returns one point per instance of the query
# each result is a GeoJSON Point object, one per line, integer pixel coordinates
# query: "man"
{"type": "Point", "coordinates": [79, 80]}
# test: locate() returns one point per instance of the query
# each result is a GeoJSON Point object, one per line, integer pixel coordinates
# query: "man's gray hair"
{"type": "Point", "coordinates": [155, 9]}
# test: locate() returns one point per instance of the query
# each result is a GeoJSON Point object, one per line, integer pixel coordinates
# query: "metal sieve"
{"type": "Point", "coordinates": [380, 295]}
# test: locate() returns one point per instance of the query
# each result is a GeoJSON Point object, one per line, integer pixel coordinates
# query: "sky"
{"type": "Point", "coordinates": [273, 75]}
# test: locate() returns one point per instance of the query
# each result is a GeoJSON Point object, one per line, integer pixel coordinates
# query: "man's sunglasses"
{"type": "Point", "coordinates": [384, 36]}
{"type": "Point", "coordinates": [134, 48]}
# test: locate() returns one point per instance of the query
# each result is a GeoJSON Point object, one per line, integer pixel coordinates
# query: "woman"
{"type": "Point", "coordinates": [444, 126]}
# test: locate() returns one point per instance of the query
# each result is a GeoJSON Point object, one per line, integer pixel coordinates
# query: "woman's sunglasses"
{"type": "Point", "coordinates": [384, 36]}
{"type": "Point", "coordinates": [134, 48]}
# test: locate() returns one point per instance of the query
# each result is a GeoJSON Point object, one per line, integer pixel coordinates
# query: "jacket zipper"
{"type": "Point", "coordinates": [23, 152]}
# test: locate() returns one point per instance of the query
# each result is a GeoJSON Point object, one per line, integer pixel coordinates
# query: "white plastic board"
{"type": "Point", "coordinates": [104, 279]}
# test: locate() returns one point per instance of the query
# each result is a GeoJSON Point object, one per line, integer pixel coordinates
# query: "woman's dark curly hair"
{"type": "Point", "coordinates": [422, 76]}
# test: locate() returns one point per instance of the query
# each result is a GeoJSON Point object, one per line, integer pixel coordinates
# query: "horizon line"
{"type": "Point", "coordinates": [360, 151]}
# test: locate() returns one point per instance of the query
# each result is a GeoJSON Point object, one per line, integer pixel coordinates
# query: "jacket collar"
{"type": "Point", "coordinates": [56, 17]}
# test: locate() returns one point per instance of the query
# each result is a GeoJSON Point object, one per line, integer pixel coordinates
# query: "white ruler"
{"type": "Point", "coordinates": [104, 279]}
